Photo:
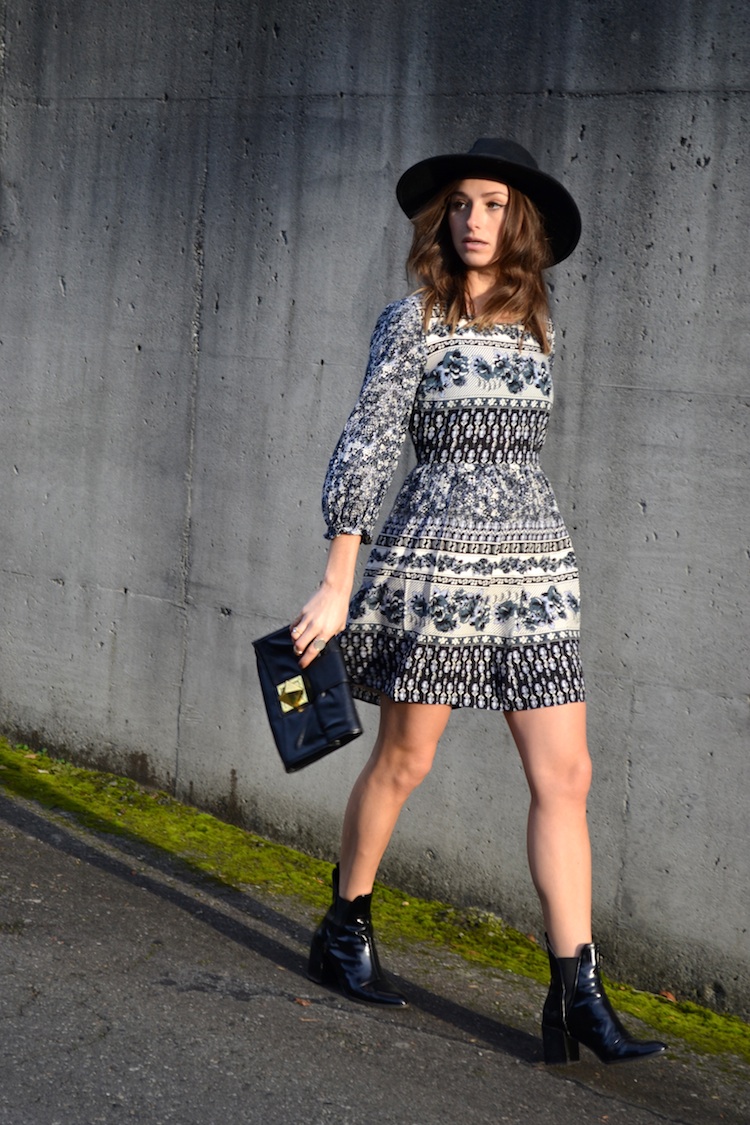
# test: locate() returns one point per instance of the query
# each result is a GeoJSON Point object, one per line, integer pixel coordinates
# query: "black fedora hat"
{"type": "Point", "coordinates": [495, 158]}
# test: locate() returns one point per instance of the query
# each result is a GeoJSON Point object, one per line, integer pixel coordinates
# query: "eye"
{"type": "Point", "coordinates": [458, 204]}
{"type": "Point", "coordinates": [496, 205]}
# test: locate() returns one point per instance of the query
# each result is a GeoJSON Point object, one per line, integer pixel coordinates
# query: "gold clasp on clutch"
{"type": "Point", "coordinates": [292, 694]}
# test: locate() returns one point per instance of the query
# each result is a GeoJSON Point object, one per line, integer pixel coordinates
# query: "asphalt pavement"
{"type": "Point", "coordinates": [131, 991]}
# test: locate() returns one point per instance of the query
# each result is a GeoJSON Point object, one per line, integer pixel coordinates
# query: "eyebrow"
{"type": "Point", "coordinates": [484, 194]}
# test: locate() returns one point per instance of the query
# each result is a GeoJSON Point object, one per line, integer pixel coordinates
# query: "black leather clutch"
{"type": "Point", "coordinates": [311, 710]}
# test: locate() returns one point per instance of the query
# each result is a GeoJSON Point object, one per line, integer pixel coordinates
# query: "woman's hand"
{"type": "Point", "coordinates": [324, 615]}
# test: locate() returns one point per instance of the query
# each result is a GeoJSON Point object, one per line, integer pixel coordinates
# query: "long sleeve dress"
{"type": "Point", "coordinates": [470, 596]}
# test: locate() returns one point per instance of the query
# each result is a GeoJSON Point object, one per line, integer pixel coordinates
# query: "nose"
{"type": "Point", "coordinates": [472, 217]}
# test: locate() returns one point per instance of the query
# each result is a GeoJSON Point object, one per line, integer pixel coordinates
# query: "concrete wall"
{"type": "Point", "coordinates": [197, 231]}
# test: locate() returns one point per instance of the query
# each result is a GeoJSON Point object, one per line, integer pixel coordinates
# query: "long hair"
{"type": "Point", "coordinates": [519, 293]}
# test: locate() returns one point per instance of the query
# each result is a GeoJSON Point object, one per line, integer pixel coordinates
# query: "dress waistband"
{"type": "Point", "coordinates": [481, 460]}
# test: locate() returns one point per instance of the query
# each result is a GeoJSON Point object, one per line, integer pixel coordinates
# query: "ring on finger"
{"type": "Point", "coordinates": [318, 644]}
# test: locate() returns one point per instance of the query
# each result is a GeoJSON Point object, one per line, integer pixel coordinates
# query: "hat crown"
{"type": "Point", "coordinates": [502, 149]}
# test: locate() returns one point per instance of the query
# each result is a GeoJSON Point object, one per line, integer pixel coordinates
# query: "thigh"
{"type": "Point", "coordinates": [551, 742]}
{"type": "Point", "coordinates": [412, 726]}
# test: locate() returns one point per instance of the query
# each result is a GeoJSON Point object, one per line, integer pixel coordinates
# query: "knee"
{"type": "Point", "coordinates": [569, 782]}
{"type": "Point", "coordinates": [404, 767]}
{"type": "Point", "coordinates": [577, 778]}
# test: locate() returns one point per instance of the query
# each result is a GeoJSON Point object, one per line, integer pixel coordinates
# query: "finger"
{"type": "Point", "coordinates": [302, 637]}
{"type": "Point", "coordinates": [310, 650]}
{"type": "Point", "coordinates": [302, 632]}
{"type": "Point", "coordinates": [308, 656]}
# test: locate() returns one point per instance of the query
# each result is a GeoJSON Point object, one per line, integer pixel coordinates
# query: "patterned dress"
{"type": "Point", "coordinates": [470, 596]}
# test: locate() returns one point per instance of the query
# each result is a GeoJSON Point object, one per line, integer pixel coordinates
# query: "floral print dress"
{"type": "Point", "coordinates": [470, 596]}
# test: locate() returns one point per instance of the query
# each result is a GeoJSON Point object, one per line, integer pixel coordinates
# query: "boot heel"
{"type": "Point", "coordinates": [558, 1047]}
{"type": "Point", "coordinates": [320, 967]}
{"type": "Point", "coordinates": [315, 965]}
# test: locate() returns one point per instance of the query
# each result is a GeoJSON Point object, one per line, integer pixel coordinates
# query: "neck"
{"type": "Point", "coordinates": [478, 286]}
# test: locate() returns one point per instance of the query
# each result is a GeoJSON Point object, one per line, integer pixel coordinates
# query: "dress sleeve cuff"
{"type": "Point", "coordinates": [332, 532]}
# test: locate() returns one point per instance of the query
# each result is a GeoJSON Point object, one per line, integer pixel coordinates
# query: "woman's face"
{"type": "Point", "coordinates": [476, 213]}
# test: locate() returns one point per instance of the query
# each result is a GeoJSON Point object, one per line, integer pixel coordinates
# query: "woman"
{"type": "Point", "coordinates": [470, 597]}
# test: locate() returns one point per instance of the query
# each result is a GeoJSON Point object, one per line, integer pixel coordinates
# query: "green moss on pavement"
{"type": "Point", "coordinates": [110, 804]}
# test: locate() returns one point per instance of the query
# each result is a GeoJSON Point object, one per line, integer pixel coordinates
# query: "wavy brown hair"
{"type": "Point", "coordinates": [519, 293]}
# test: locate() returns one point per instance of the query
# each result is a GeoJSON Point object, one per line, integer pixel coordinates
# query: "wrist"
{"type": "Point", "coordinates": [338, 576]}
{"type": "Point", "coordinates": [339, 585]}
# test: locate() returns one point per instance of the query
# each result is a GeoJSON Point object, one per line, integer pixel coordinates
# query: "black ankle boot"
{"type": "Point", "coordinates": [581, 1013]}
{"type": "Point", "coordinates": [343, 952]}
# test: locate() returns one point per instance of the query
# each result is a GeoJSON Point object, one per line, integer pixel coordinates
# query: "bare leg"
{"type": "Point", "coordinates": [343, 950]}
{"type": "Point", "coordinates": [400, 760]}
{"type": "Point", "coordinates": [552, 744]}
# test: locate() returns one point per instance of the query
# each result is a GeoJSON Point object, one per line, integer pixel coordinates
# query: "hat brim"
{"type": "Point", "coordinates": [561, 217]}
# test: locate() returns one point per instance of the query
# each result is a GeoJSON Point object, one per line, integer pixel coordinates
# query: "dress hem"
{"type": "Point", "coordinates": [373, 696]}
{"type": "Point", "coordinates": [531, 673]}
